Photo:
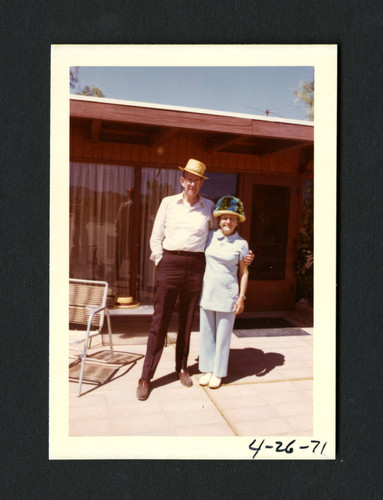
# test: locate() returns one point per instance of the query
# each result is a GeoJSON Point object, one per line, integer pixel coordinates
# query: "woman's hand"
{"type": "Point", "coordinates": [239, 305]}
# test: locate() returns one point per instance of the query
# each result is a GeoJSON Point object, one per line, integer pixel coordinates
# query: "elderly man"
{"type": "Point", "coordinates": [178, 243]}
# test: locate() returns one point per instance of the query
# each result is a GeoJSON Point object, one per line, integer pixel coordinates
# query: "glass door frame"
{"type": "Point", "coordinates": [265, 294]}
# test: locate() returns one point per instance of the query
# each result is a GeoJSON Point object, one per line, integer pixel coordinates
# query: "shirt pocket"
{"type": "Point", "coordinates": [201, 224]}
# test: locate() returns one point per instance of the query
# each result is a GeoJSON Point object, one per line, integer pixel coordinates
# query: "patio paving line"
{"type": "Point", "coordinates": [220, 411]}
{"type": "Point", "coordinates": [210, 394]}
{"type": "Point", "coordinates": [294, 379]}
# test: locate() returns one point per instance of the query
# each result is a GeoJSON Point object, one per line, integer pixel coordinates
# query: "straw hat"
{"type": "Point", "coordinates": [230, 205]}
{"type": "Point", "coordinates": [125, 303]}
{"type": "Point", "coordinates": [195, 167]}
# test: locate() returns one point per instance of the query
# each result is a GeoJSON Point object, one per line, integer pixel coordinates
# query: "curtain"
{"type": "Point", "coordinates": [101, 201]}
{"type": "Point", "coordinates": [155, 184]}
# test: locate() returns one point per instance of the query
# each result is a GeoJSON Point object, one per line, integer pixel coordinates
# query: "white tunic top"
{"type": "Point", "coordinates": [220, 283]}
{"type": "Point", "coordinates": [180, 226]}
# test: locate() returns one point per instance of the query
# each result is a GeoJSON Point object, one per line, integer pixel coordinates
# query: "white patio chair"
{"type": "Point", "coordinates": [87, 307]}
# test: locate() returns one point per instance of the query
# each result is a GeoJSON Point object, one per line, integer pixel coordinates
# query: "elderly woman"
{"type": "Point", "coordinates": [222, 296]}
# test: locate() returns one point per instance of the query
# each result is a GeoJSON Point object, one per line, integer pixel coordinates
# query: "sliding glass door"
{"type": "Point", "coordinates": [112, 212]}
{"type": "Point", "coordinates": [101, 209]}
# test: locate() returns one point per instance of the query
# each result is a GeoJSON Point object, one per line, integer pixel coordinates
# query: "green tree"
{"type": "Point", "coordinates": [94, 91]}
{"type": "Point", "coordinates": [73, 77]}
{"type": "Point", "coordinates": [86, 90]}
{"type": "Point", "coordinates": [305, 256]}
{"type": "Point", "coordinates": [305, 95]}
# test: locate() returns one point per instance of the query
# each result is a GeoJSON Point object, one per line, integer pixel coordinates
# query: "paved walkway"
{"type": "Point", "coordinates": [268, 391]}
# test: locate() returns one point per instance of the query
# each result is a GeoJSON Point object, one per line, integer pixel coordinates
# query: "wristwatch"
{"type": "Point", "coordinates": [243, 296]}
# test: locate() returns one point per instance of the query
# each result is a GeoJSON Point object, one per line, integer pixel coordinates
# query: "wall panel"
{"type": "Point", "coordinates": [176, 151]}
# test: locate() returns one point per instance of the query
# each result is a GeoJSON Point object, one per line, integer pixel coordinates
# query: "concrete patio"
{"type": "Point", "coordinates": [268, 391]}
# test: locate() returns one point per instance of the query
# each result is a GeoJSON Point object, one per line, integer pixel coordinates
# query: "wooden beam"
{"type": "Point", "coordinates": [95, 129]}
{"type": "Point", "coordinates": [299, 145]}
{"type": "Point", "coordinates": [273, 147]}
{"type": "Point", "coordinates": [127, 132]}
{"type": "Point", "coordinates": [217, 145]}
{"type": "Point", "coordinates": [161, 136]}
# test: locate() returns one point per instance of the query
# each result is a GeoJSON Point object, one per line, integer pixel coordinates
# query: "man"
{"type": "Point", "coordinates": [178, 243]}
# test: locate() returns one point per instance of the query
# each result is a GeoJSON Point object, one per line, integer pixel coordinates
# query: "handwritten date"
{"type": "Point", "coordinates": [288, 448]}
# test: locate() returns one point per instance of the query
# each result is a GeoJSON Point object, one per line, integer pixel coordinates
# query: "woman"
{"type": "Point", "coordinates": [222, 296]}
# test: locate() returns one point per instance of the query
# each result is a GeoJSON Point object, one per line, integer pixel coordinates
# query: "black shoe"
{"type": "Point", "coordinates": [142, 392]}
{"type": "Point", "coordinates": [185, 378]}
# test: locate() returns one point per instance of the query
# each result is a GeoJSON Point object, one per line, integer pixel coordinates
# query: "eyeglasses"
{"type": "Point", "coordinates": [190, 181]}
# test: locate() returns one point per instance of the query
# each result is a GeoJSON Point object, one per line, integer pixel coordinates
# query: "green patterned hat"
{"type": "Point", "coordinates": [230, 205]}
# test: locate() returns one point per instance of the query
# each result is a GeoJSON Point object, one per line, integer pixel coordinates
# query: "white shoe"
{"type": "Point", "coordinates": [215, 382]}
{"type": "Point", "coordinates": [205, 379]}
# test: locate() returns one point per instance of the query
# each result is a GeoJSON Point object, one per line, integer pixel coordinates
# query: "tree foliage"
{"type": "Point", "coordinates": [305, 256]}
{"type": "Point", "coordinates": [305, 95]}
{"type": "Point", "coordinates": [86, 90]}
{"type": "Point", "coordinates": [93, 91]}
{"type": "Point", "coordinates": [73, 75]}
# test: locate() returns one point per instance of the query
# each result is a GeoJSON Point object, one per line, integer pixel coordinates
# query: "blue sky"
{"type": "Point", "coordinates": [251, 90]}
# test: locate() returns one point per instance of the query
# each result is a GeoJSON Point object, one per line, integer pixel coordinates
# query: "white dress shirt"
{"type": "Point", "coordinates": [180, 226]}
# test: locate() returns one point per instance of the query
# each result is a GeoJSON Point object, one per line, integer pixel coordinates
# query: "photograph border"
{"type": "Point", "coordinates": [324, 60]}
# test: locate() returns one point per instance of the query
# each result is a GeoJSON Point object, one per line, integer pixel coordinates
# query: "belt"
{"type": "Point", "coordinates": [188, 254]}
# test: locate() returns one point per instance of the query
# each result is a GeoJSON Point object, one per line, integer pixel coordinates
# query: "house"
{"type": "Point", "coordinates": [124, 159]}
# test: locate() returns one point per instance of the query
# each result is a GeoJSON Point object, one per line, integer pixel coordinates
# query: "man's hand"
{"type": "Point", "coordinates": [248, 259]}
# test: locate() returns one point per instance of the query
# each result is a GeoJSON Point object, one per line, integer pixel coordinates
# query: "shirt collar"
{"type": "Point", "coordinates": [180, 199]}
{"type": "Point", "coordinates": [221, 236]}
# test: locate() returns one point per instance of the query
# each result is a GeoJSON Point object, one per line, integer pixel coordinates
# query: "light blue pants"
{"type": "Point", "coordinates": [215, 335]}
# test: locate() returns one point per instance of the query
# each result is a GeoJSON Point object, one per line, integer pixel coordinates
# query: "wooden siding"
{"type": "Point", "coordinates": [176, 151]}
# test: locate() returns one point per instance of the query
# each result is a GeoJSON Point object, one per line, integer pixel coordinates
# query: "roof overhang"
{"type": "Point", "coordinates": [149, 124]}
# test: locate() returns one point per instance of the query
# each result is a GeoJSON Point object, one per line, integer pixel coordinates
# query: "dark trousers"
{"type": "Point", "coordinates": [177, 275]}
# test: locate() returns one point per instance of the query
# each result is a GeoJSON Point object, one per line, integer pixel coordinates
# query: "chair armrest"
{"type": "Point", "coordinates": [94, 312]}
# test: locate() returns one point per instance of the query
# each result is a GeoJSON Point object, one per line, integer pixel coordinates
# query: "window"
{"type": "Point", "coordinates": [155, 185]}
{"type": "Point", "coordinates": [269, 229]}
{"type": "Point", "coordinates": [101, 208]}
{"type": "Point", "coordinates": [219, 185]}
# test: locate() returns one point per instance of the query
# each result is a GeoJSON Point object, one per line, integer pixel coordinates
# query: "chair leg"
{"type": "Point", "coordinates": [83, 358]}
{"type": "Point", "coordinates": [110, 336]}
{"type": "Point", "coordinates": [81, 374]}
